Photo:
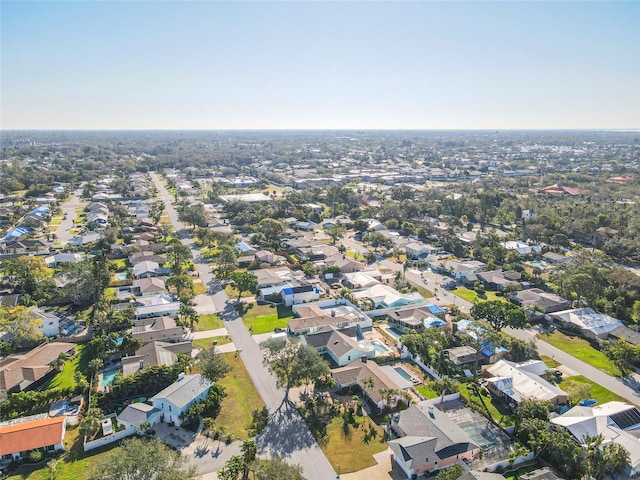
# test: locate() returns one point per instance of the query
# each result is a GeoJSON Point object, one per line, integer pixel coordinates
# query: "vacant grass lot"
{"type": "Point", "coordinates": [78, 363]}
{"type": "Point", "coordinates": [497, 410]}
{"type": "Point", "coordinates": [601, 394]}
{"type": "Point", "coordinates": [265, 318]}
{"type": "Point", "coordinates": [353, 448]}
{"type": "Point", "coordinates": [582, 350]}
{"type": "Point", "coordinates": [210, 321]}
{"type": "Point", "coordinates": [472, 296]}
{"type": "Point", "coordinates": [550, 362]}
{"type": "Point", "coordinates": [241, 400]}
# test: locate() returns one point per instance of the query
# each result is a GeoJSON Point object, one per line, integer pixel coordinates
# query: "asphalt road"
{"type": "Point", "coordinates": [616, 385]}
{"type": "Point", "coordinates": [63, 232]}
{"type": "Point", "coordinates": [286, 434]}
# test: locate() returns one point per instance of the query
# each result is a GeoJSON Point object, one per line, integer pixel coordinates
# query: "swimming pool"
{"type": "Point", "coordinates": [120, 276]}
{"type": "Point", "coordinates": [539, 264]}
{"type": "Point", "coordinates": [395, 333]}
{"type": "Point", "coordinates": [403, 373]}
{"type": "Point", "coordinates": [380, 348]}
{"type": "Point", "coordinates": [108, 376]}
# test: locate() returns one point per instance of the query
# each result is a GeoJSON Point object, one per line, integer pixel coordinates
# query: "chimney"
{"type": "Point", "coordinates": [333, 314]}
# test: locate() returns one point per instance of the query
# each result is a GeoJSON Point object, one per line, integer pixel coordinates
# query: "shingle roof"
{"type": "Point", "coordinates": [181, 392]}
{"type": "Point", "coordinates": [137, 413]}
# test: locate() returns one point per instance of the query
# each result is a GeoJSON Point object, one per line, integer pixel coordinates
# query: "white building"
{"type": "Point", "coordinates": [177, 398]}
{"type": "Point", "coordinates": [49, 324]}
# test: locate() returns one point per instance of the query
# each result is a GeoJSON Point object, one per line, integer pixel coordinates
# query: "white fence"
{"type": "Point", "coordinates": [114, 437]}
{"type": "Point", "coordinates": [416, 359]}
{"type": "Point", "coordinates": [509, 463]}
{"type": "Point", "coordinates": [446, 398]}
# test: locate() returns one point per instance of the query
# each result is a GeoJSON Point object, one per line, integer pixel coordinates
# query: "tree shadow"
{"type": "Point", "coordinates": [285, 433]}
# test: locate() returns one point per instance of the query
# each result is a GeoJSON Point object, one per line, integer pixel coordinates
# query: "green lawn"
{"type": "Point", "coordinates": [232, 292]}
{"type": "Point", "coordinates": [265, 318]}
{"type": "Point", "coordinates": [424, 292]}
{"type": "Point", "coordinates": [550, 362]}
{"type": "Point", "coordinates": [199, 288]}
{"type": "Point", "coordinates": [472, 296]}
{"type": "Point", "coordinates": [65, 378]}
{"type": "Point", "coordinates": [498, 412]}
{"type": "Point", "coordinates": [351, 450]}
{"type": "Point", "coordinates": [118, 264]}
{"type": "Point", "coordinates": [241, 400]}
{"type": "Point", "coordinates": [597, 391]}
{"type": "Point", "coordinates": [426, 391]}
{"type": "Point", "coordinates": [207, 343]}
{"type": "Point", "coordinates": [210, 321]}
{"type": "Point", "coordinates": [582, 350]}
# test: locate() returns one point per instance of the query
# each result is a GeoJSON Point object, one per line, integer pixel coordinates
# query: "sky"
{"type": "Point", "coordinates": [319, 65]}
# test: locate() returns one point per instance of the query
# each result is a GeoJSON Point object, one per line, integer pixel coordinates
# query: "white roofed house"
{"type": "Point", "coordinates": [49, 323]}
{"type": "Point", "coordinates": [590, 323]}
{"type": "Point", "coordinates": [617, 422]}
{"type": "Point", "coordinates": [175, 400]}
{"type": "Point", "coordinates": [156, 306]}
{"type": "Point", "coordinates": [420, 251]}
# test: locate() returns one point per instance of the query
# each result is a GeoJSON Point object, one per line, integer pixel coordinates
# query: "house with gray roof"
{"type": "Point", "coordinates": [137, 414]}
{"type": "Point", "coordinates": [429, 440]}
{"type": "Point", "coordinates": [177, 398]}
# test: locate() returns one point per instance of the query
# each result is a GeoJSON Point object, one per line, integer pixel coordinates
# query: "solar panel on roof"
{"type": "Point", "coordinates": [626, 419]}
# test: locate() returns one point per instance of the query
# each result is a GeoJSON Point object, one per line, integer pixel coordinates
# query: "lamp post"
{"type": "Point", "coordinates": [338, 477]}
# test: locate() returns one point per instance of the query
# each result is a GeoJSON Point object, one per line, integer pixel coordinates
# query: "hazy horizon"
{"type": "Point", "coordinates": [309, 66]}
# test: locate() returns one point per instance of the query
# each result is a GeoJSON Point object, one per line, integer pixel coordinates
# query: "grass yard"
{"type": "Point", "coordinates": [424, 292]}
{"type": "Point", "coordinates": [472, 296]}
{"type": "Point", "coordinates": [241, 400]}
{"type": "Point", "coordinates": [582, 350]}
{"type": "Point", "coordinates": [57, 220]}
{"type": "Point", "coordinates": [498, 412]}
{"type": "Point", "coordinates": [210, 321]}
{"type": "Point", "coordinates": [118, 264]}
{"type": "Point", "coordinates": [232, 292]}
{"type": "Point", "coordinates": [353, 449]}
{"type": "Point", "coordinates": [550, 362]}
{"type": "Point", "coordinates": [265, 318]}
{"type": "Point", "coordinates": [207, 343]}
{"type": "Point", "coordinates": [426, 391]}
{"type": "Point", "coordinates": [199, 288]}
{"type": "Point", "coordinates": [601, 394]}
{"type": "Point", "coordinates": [75, 465]}
{"type": "Point", "coordinates": [65, 378]}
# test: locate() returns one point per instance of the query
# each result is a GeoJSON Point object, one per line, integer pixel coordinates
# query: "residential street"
{"type": "Point", "coordinates": [614, 384]}
{"type": "Point", "coordinates": [286, 435]}
{"type": "Point", "coordinates": [68, 208]}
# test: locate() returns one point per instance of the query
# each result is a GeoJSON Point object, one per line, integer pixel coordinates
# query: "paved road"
{"type": "Point", "coordinates": [286, 434]}
{"type": "Point", "coordinates": [614, 384]}
{"type": "Point", "coordinates": [69, 209]}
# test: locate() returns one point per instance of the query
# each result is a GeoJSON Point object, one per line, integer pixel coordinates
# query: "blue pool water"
{"type": "Point", "coordinates": [539, 264]}
{"type": "Point", "coordinates": [394, 332]}
{"type": "Point", "coordinates": [403, 373]}
{"type": "Point", "coordinates": [379, 347]}
{"type": "Point", "coordinates": [108, 377]}
{"type": "Point", "coordinates": [120, 276]}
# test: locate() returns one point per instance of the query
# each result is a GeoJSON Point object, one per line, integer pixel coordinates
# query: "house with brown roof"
{"type": "Point", "coordinates": [19, 372]}
{"type": "Point", "coordinates": [371, 379]}
{"type": "Point", "coordinates": [161, 328]}
{"type": "Point", "coordinates": [155, 353]}
{"type": "Point", "coordinates": [21, 436]}
{"type": "Point", "coordinates": [149, 286]}
{"type": "Point", "coordinates": [558, 189]}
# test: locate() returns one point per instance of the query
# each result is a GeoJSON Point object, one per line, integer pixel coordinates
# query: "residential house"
{"type": "Point", "coordinates": [155, 353]}
{"type": "Point", "coordinates": [514, 383]}
{"type": "Point", "coordinates": [463, 357]}
{"type": "Point", "coordinates": [429, 440]}
{"type": "Point", "coordinates": [417, 319]}
{"type": "Point", "coordinates": [294, 295]}
{"type": "Point", "coordinates": [590, 323]}
{"type": "Point", "coordinates": [535, 299]}
{"type": "Point", "coordinates": [553, 258]}
{"type": "Point", "coordinates": [499, 280]}
{"type": "Point", "coordinates": [48, 323]}
{"type": "Point", "coordinates": [61, 258]}
{"type": "Point", "coordinates": [616, 422]}
{"type": "Point", "coordinates": [343, 345]}
{"type": "Point", "coordinates": [160, 328]}
{"type": "Point", "coordinates": [175, 400]}
{"type": "Point", "coordinates": [135, 415]}
{"type": "Point", "coordinates": [362, 279]}
{"type": "Point", "coordinates": [155, 306]}
{"type": "Point", "coordinates": [344, 263]}
{"type": "Point", "coordinates": [558, 189]}
{"type": "Point", "coordinates": [420, 251]}
{"type": "Point", "coordinates": [19, 372]}
{"type": "Point", "coordinates": [460, 268]}
{"type": "Point", "coordinates": [273, 277]}
{"type": "Point", "coordinates": [371, 379]}
{"type": "Point", "coordinates": [146, 269]}
{"type": "Point", "coordinates": [268, 258]}
{"type": "Point", "coordinates": [149, 286]}
{"type": "Point", "coordinates": [520, 247]}
{"type": "Point", "coordinates": [21, 436]}
{"type": "Point", "coordinates": [385, 296]}
{"type": "Point", "coordinates": [313, 316]}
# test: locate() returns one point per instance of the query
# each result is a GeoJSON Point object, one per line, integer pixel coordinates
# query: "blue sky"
{"type": "Point", "coordinates": [324, 65]}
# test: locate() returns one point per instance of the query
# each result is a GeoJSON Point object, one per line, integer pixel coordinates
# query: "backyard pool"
{"type": "Point", "coordinates": [395, 333]}
{"type": "Point", "coordinates": [404, 374]}
{"type": "Point", "coordinates": [538, 264]}
{"type": "Point", "coordinates": [108, 376]}
{"type": "Point", "coordinates": [380, 348]}
{"type": "Point", "coordinates": [120, 276]}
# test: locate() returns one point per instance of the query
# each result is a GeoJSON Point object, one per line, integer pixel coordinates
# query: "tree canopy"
{"type": "Point", "coordinates": [500, 314]}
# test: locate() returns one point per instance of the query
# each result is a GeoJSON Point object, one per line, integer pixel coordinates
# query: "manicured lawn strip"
{"type": "Point", "coordinates": [232, 292]}
{"type": "Point", "coordinates": [264, 318]}
{"type": "Point", "coordinates": [471, 295]}
{"type": "Point", "coordinates": [582, 350]}
{"type": "Point", "coordinates": [210, 321]}
{"type": "Point", "coordinates": [241, 400]}
{"type": "Point", "coordinates": [65, 378]}
{"type": "Point", "coordinates": [597, 391]}
{"type": "Point", "coordinates": [550, 362]}
{"type": "Point", "coordinates": [424, 292]}
{"type": "Point", "coordinates": [350, 451]}
{"type": "Point", "coordinates": [498, 412]}
{"type": "Point", "coordinates": [118, 264]}
{"type": "Point", "coordinates": [207, 343]}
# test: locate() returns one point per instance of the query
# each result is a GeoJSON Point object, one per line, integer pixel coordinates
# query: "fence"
{"type": "Point", "coordinates": [114, 437]}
